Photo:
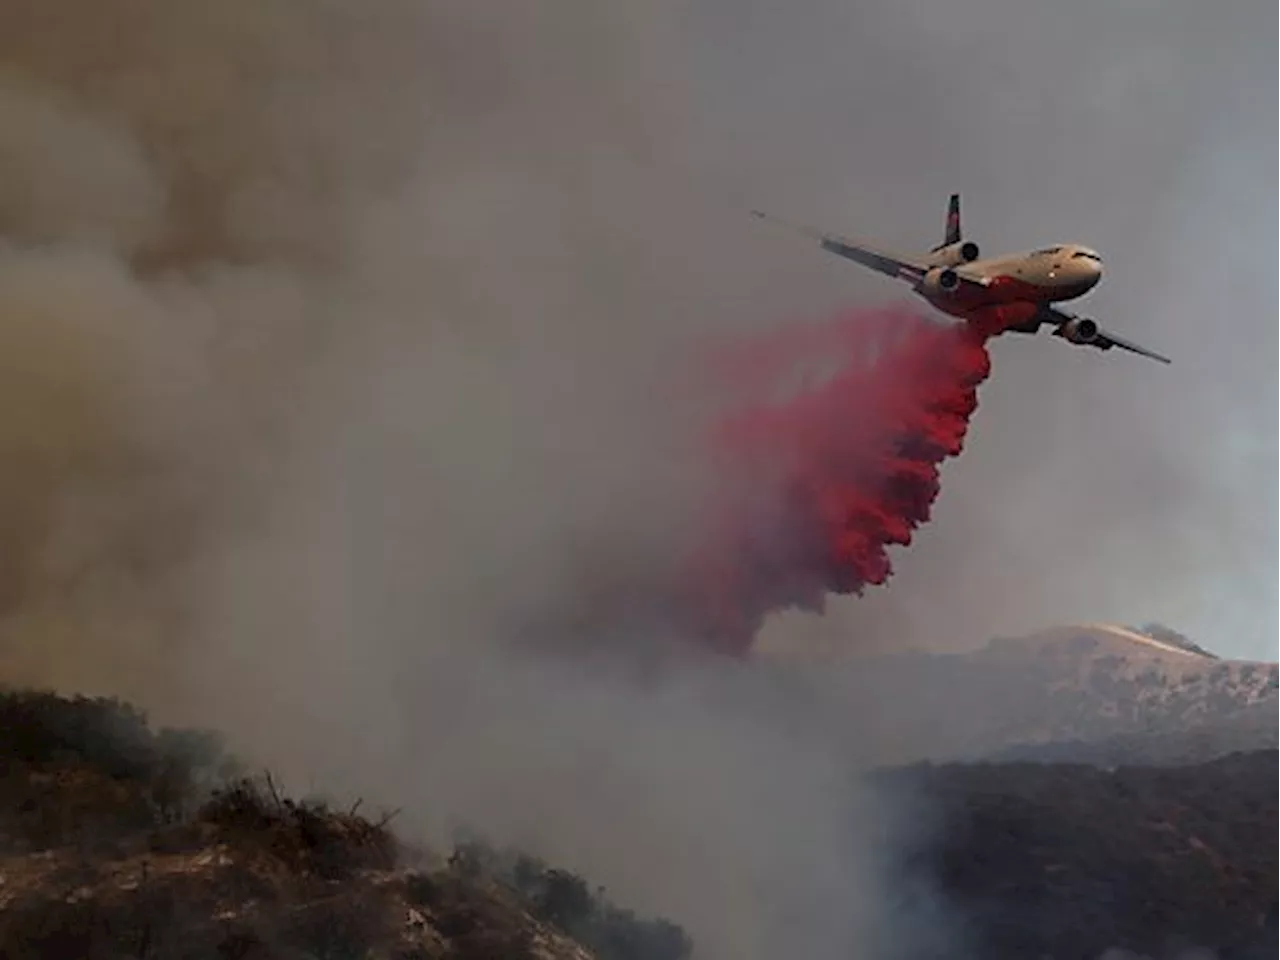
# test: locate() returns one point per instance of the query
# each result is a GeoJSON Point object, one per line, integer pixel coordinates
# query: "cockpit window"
{"type": "Point", "coordinates": [1086, 255]}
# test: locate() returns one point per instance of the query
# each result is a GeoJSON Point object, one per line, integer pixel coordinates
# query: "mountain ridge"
{"type": "Point", "coordinates": [1106, 690]}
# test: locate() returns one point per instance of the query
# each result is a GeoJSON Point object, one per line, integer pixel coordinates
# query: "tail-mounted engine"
{"type": "Point", "coordinates": [940, 281]}
{"type": "Point", "coordinates": [1079, 330]}
{"type": "Point", "coordinates": [955, 254]}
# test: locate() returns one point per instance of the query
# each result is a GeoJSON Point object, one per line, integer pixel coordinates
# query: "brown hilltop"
{"type": "Point", "coordinates": [116, 842]}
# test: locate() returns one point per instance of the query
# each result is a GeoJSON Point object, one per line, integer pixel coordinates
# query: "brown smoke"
{"type": "Point", "coordinates": [343, 333]}
{"type": "Point", "coordinates": [285, 295]}
{"type": "Point", "coordinates": [159, 229]}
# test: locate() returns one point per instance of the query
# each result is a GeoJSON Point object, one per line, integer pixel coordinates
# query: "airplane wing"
{"type": "Point", "coordinates": [1105, 339]}
{"type": "Point", "coordinates": [898, 266]}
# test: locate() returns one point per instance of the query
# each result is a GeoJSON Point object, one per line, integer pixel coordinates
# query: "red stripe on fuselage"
{"type": "Point", "coordinates": [1004, 303]}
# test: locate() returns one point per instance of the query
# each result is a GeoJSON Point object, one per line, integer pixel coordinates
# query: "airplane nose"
{"type": "Point", "coordinates": [1089, 271]}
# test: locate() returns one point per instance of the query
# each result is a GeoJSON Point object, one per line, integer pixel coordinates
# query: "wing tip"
{"type": "Point", "coordinates": [1149, 354]}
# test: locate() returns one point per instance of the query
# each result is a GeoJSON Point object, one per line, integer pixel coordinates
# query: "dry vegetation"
{"type": "Point", "coordinates": [119, 842]}
{"type": "Point", "coordinates": [116, 842]}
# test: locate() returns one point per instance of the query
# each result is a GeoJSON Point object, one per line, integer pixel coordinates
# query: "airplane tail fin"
{"type": "Point", "coordinates": [952, 235]}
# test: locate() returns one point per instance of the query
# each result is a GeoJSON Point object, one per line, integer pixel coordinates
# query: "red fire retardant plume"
{"type": "Point", "coordinates": [817, 475]}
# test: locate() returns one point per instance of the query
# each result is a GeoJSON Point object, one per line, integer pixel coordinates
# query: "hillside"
{"type": "Point", "coordinates": [116, 842]}
{"type": "Point", "coordinates": [1089, 693]}
{"type": "Point", "coordinates": [1252, 729]}
{"type": "Point", "coordinates": [1066, 862]}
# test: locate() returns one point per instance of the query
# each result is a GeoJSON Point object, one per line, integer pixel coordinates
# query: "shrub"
{"type": "Point", "coordinates": [307, 835]}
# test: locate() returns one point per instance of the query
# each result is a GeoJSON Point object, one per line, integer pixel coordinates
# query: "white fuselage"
{"type": "Point", "coordinates": [1036, 277]}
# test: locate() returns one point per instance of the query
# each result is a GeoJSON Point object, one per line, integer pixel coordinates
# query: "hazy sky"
{"type": "Point", "coordinates": [1094, 487]}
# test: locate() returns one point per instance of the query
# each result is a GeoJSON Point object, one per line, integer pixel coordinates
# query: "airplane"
{"type": "Point", "coordinates": [1014, 292]}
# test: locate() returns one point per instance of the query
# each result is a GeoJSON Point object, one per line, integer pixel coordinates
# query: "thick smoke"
{"type": "Point", "coordinates": [337, 347]}
{"type": "Point", "coordinates": [171, 181]}
{"type": "Point", "coordinates": [242, 243]}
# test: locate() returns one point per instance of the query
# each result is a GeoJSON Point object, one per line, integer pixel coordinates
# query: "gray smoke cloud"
{"type": "Point", "coordinates": [339, 347]}
{"type": "Point", "coordinates": [340, 344]}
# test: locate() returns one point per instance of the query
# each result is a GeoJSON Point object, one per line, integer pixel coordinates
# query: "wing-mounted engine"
{"type": "Point", "coordinates": [940, 281]}
{"type": "Point", "coordinates": [955, 254]}
{"type": "Point", "coordinates": [1080, 330]}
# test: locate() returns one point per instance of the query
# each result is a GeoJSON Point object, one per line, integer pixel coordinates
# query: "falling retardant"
{"type": "Point", "coordinates": [828, 456]}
